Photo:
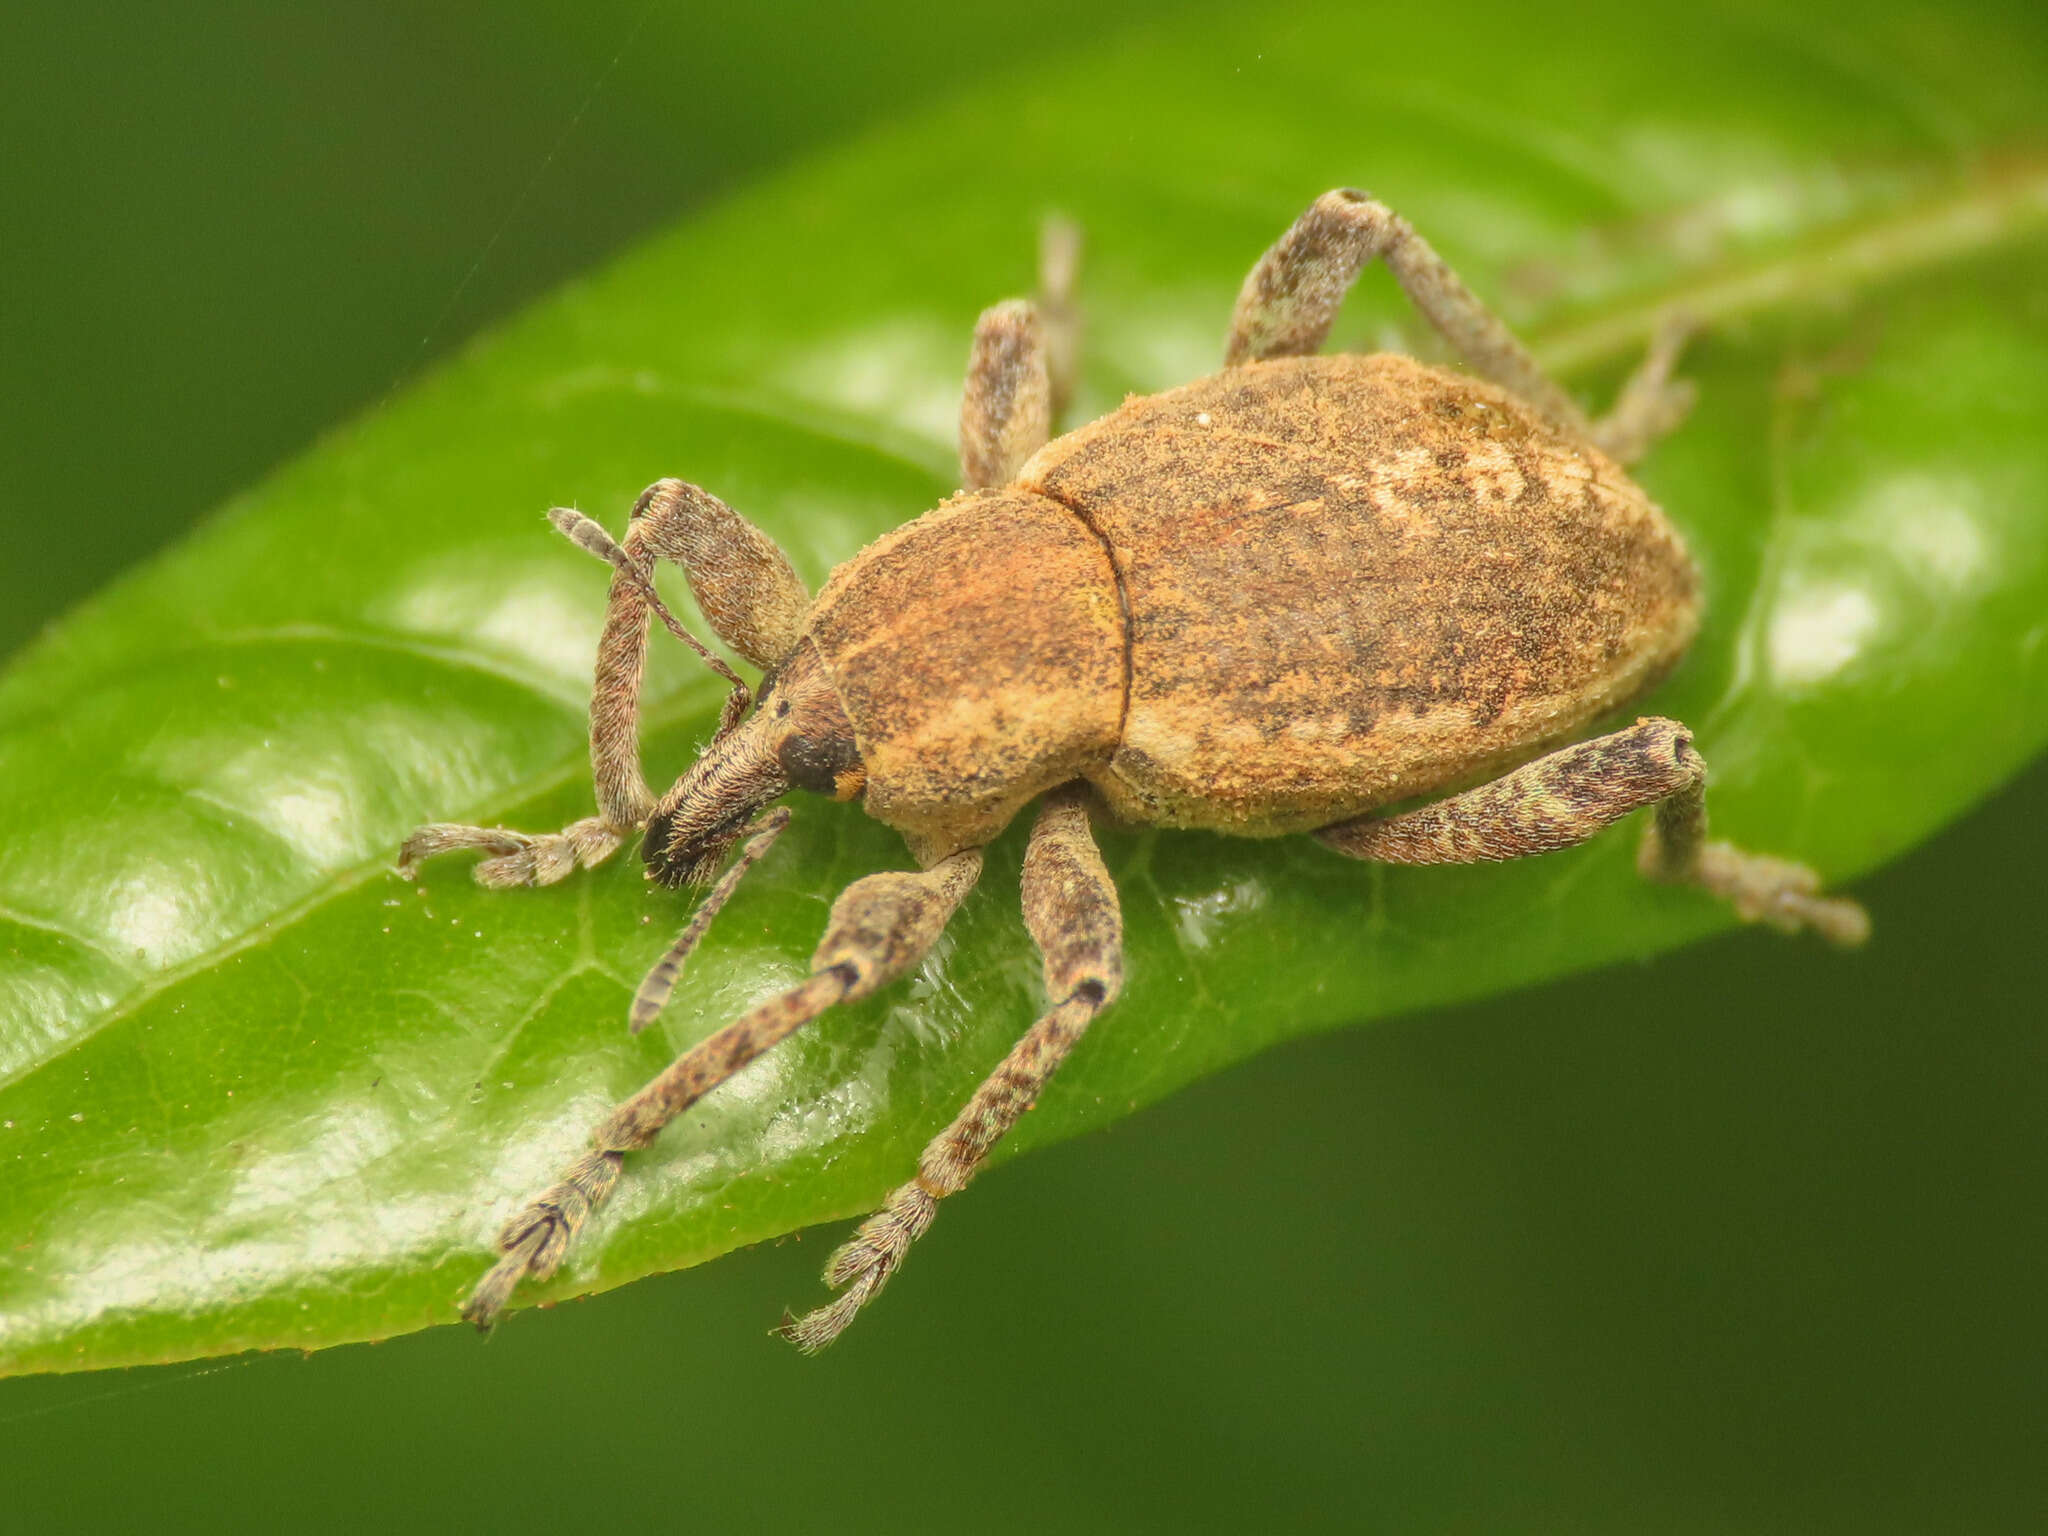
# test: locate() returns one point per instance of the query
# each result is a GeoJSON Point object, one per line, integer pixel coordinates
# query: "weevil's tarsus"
{"type": "Point", "coordinates": [535, 1239]}
{"type": "Point", "coordinates": [517, 858]}
{"type": "Point", "coordinates": [1071, 908]}
{"type": "Point", "coordinates": [660, 982]}
{"type": "Point", "coordinates": [881, 927]}
{"type": "Point", "coordinates": [1566, 797]}
{"type": "Point", "coordinates": [1760, 888]}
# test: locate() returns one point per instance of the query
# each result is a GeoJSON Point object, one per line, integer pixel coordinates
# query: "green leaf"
{"type": "Point", "coordinates": [259, 1092]}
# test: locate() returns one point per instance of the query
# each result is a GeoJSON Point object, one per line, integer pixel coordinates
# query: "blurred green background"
{"type": "Point", "coordinates": [1747, 1240]}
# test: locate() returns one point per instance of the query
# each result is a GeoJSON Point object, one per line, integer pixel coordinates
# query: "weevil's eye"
{"type": "Point", "coordinates": [827, 763]}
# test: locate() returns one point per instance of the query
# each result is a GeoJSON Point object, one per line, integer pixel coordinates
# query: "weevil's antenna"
{"type": "Point", "coordinates": [654, 992]}
{"type": "Point", "coordinates": [590, 537]}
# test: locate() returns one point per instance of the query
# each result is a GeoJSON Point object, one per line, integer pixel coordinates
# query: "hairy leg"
{"type": "Point", "coordinates": [1020, 370]}
{"type": "Point", "coordinates": [1651, 402]}
{"type": "Point", "coordinates": [1006, 410]}
{"type": "Point", "coordinates": [1565, 798]}
{"type": "Point", "coordinates": [748, 592]}
{"type": "Point", "coordinates": [1071, 908]}
{"type": "Point", "coordinates": [881, 926]}
{"type": "Point", "coordinates": [1291, 297]}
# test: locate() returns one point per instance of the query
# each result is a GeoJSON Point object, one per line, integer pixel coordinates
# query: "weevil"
{"type": "Point", "coordinates": [1278, 600]}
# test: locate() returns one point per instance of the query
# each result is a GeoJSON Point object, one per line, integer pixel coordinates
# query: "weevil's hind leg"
{"type": "Point", "coordinates": [750, 595]}
{"type": "Point", "coordinates": [1020, 372]}
{"type": "Point", "coordinates": [1291, 297]}
{"type": "Point", "coordinates": [1565, 798]}
{"type": "Point", "coordinates": [516, 858]}
{"type": "Point", "coordinates": [1071, 908]}
{"type": "Point", "coordinates": [1652, 402]}
{"type": "Point", "coordinates": [880, 927]}
{"type": "Point", "coordinates": [1059, 260]}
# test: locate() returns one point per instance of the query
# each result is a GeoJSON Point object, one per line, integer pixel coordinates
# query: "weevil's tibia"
{"type": "Point", "coordinates": [1059, 261]}
{"type": "Point", "coordinates": [1760, 888]}
{"type": "Point", "coordinates": [1563, 799]}
{"type": "Point", "coordinates": [1070, 906]}
{"type": "Point", "coordinates": [880, 927]}
{"type": "Point", "coordinates": [1291, 296]}
{"type": "Point", "coordinates": [1651, 402]}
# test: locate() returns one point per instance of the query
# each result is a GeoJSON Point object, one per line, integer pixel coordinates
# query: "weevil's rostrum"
{"type": "Point", "coordinates": [1273, 601]}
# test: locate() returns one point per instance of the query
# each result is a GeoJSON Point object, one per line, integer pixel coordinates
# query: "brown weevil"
{"type": "Point", "coordinates": [1272, 601]}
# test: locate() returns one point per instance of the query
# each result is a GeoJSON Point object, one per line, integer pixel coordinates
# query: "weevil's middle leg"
{"type": "Point", "coordinates": [1006, 409]}
{"type": "Point", "coordinates": [1020, 370]}
{"type": "Point", "coordinates": [1565, 798]}
{"type": "Point", "coordinates": [1070, 906]}
{"type": "Point", "coordinates": [1291, 297]}
{"type": "Point", "coordinates": [881, 926]}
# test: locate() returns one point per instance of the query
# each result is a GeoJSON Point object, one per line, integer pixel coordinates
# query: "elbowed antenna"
{"type": "Point", "coordinates": [660, 982]}
{"type": "Point", "coordinates": [589, 536]}
{"type": "Point", "coordinates": [708, 809]}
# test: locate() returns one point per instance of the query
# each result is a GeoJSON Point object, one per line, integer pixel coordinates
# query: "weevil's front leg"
{"type": "Point", "coordinates": [750, 595]}
{"type": "Point", "coordinates": [1290, 299]}
{"type": "Point", "coordinates": [880, 927]}
{"type": "Point", "coordinates": [1070, 905]}
{"type": "Point", "coordinates": [1565, 798]}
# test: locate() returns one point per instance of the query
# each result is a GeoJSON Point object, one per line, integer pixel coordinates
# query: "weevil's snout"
{"type": "Point", "coordinates": [710, 806]}
{"type": "Point", "coordinates": [692, 857]}
{"type": "Point", "coordinates": [798, 737]}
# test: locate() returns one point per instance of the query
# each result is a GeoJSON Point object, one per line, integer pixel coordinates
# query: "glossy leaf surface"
{"type": "Point", "coordinates": [259, 1092]}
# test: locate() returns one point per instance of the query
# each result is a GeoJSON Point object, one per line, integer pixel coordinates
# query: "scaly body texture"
{"type": "Point", "coordinates": [1276, 600]}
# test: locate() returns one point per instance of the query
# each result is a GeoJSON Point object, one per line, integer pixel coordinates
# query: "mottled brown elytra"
{"type": "Point", "coordinates": [1267, 602]}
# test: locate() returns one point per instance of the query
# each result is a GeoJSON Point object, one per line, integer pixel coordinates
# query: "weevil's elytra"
{"type": "Point", "coordinates": [1479, 587]}
{"type": "Point", "coordinates": [1272, 601]}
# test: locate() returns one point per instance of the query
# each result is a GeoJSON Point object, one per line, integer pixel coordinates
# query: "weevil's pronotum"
{"type": "Point", "coordinates": [1269, 602]}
